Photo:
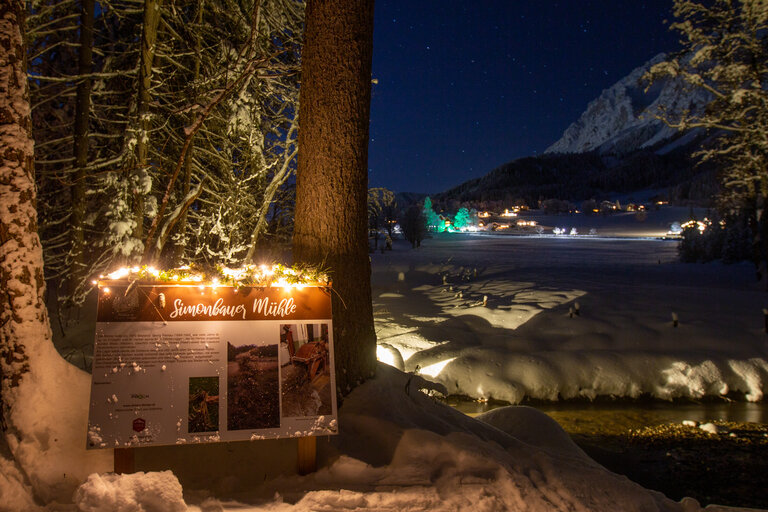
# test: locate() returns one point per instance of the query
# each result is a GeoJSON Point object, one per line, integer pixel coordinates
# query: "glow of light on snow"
{"type": "Point", "coordinates": [434, 370]}
{"type": "Point", "coordinates": [119, 273]}
{"type": "Point", "coordinates": [385, 356]}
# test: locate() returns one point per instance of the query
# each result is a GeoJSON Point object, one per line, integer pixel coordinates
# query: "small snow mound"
{"type": "Point", "coordinates": [16, 495]}
{"type": "Point", "coordinates": [533, 427]}
{"type": "Point", "coordinates": [388, 354]}
{"type": "Point", "coordinates": [712, 428]}
{"type": "Point", "coordinates": [137, 492]}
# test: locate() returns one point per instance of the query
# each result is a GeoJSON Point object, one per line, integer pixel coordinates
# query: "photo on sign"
{"type": "Point", "coordinates": [203, 413]}
{"type": "Point", "coordinates": [253, 394]}
{"type": "Point", "coordinates": [305, 369]}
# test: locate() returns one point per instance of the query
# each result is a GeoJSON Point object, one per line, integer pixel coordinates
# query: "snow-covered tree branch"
{"type": "Point", "coordinates": [725, 53]}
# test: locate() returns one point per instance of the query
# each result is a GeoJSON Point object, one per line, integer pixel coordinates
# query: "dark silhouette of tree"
{"type": "Point", "coordinates": [414, 225]}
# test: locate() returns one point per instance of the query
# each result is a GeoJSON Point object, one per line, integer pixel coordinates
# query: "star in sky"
{"type": "Point", "coordinates": [494, 80]}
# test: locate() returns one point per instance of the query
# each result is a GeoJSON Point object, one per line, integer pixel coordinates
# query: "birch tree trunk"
{"type": "Point", "coordinates": [41, 435]}
{"type": "Point", "coordinates": [332, 177]}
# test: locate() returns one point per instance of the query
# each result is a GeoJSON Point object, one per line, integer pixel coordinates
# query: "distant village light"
{"type": "Point", "coordinates": [508, 213]}
{"type": "Point", "coordinates": [701, 226]}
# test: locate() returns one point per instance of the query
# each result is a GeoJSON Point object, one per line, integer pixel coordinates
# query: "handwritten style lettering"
{"type": "Point", "coordinates": [277, 309]}
{"type": "Point", "coordinates": [217, 309]}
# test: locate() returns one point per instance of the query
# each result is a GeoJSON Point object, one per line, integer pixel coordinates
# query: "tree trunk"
{"type": "Point", "coordinates": [40, 429]}
{"type": "Point", "coordinates": [181, 227]}
{"type": "Point", "coordinates": [332, 177]}
{"type": "Point", "coordinates": [18, 217]}
{"type": "Point", "coordinates": [21, 278]}
{"type": "Point", "coordinates": [148, 42]}
{"type": "Point", "coordinates": [82, 116]}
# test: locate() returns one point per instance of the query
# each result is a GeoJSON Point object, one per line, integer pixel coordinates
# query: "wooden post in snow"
{"type": "Point", "coordinates": [125, 461]}
{"type": "Point", "coordinates": [307, 455]}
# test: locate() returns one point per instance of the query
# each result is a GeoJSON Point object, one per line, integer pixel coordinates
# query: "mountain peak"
{"type": "Point", "coordinates": [623, 118]}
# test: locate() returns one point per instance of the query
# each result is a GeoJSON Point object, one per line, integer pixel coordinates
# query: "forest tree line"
{"type": "Point", "coordinates": [165, 132]}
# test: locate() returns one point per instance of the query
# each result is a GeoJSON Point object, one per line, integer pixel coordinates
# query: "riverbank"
{"type": "Point", "coordinates": [715, 450]}
{"type": "Point", "coordinates": [725, 467]}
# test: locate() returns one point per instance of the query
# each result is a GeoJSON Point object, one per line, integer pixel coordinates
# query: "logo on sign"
{"type": "Point", "coordinates": [139, 424]}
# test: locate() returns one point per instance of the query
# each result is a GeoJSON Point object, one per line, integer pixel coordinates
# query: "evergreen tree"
{"type": "Point", "coordinates": [414, 225]}
{"type": "Point", "coordinates": [462, 219]}
{"type": "Point", "coordinates": [191, 131]}
{"type": "Point", "coordinates": [31, 372]}
{"type": "Point", "coordinates": [725, 53]}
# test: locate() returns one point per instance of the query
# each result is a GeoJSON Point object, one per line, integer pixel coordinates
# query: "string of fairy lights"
{"type": "Point", "coordinates": [276, 275]}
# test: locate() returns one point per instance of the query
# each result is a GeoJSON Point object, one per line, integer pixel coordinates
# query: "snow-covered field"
{"type": "Point", "coordinates": [489, 317]}
{"type": "Point", "coordinates": [650, 224]}
{"type": "Point", "coordinates": [508, 317]}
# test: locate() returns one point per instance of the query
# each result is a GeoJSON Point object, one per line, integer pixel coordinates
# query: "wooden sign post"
{"type": "Point", "coordinates": [125, 462]}
{"type": "Point", "coordinates": [307, 455]}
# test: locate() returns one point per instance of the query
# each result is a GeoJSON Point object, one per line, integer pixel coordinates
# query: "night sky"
{"type": "Point", "coordinates": [464, 87]}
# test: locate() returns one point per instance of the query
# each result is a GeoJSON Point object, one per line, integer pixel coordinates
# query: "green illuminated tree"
{"type": "Point", "coordinates": [462, 219]}
{"type": "Point", "coordinates": [434, 222]}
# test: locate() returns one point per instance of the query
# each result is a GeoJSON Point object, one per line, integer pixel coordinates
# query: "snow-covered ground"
{"type": "Point", "coordinates": [508, 317]}
{"type": "Point", "coordinates": [654, 223]}
{"type": "Point", "coordinates": [489, 317]}
{"type": "Point", "coordinates": [401, 450]}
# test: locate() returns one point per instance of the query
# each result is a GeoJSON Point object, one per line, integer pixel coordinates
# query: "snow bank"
{"type": "Point", "coordinates": [518, 421]}
{"type": "Point", "coordinates": [401, 450]}
{"type": "Point", "coordinates": [137, 492]}
{"type": "Point", "coordinates": [52, 414]}
{"type": "Point", "coordinates": [569, 318]}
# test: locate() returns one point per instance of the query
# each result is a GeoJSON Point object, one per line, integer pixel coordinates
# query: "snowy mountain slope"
{"type": "Point", "coordinates": [617, 146]}
{"type": "Point", "coordinates": [622, 118]}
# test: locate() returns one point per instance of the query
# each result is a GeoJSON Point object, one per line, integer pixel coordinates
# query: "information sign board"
{"type": "Point", "coordinates": [178, 364]}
